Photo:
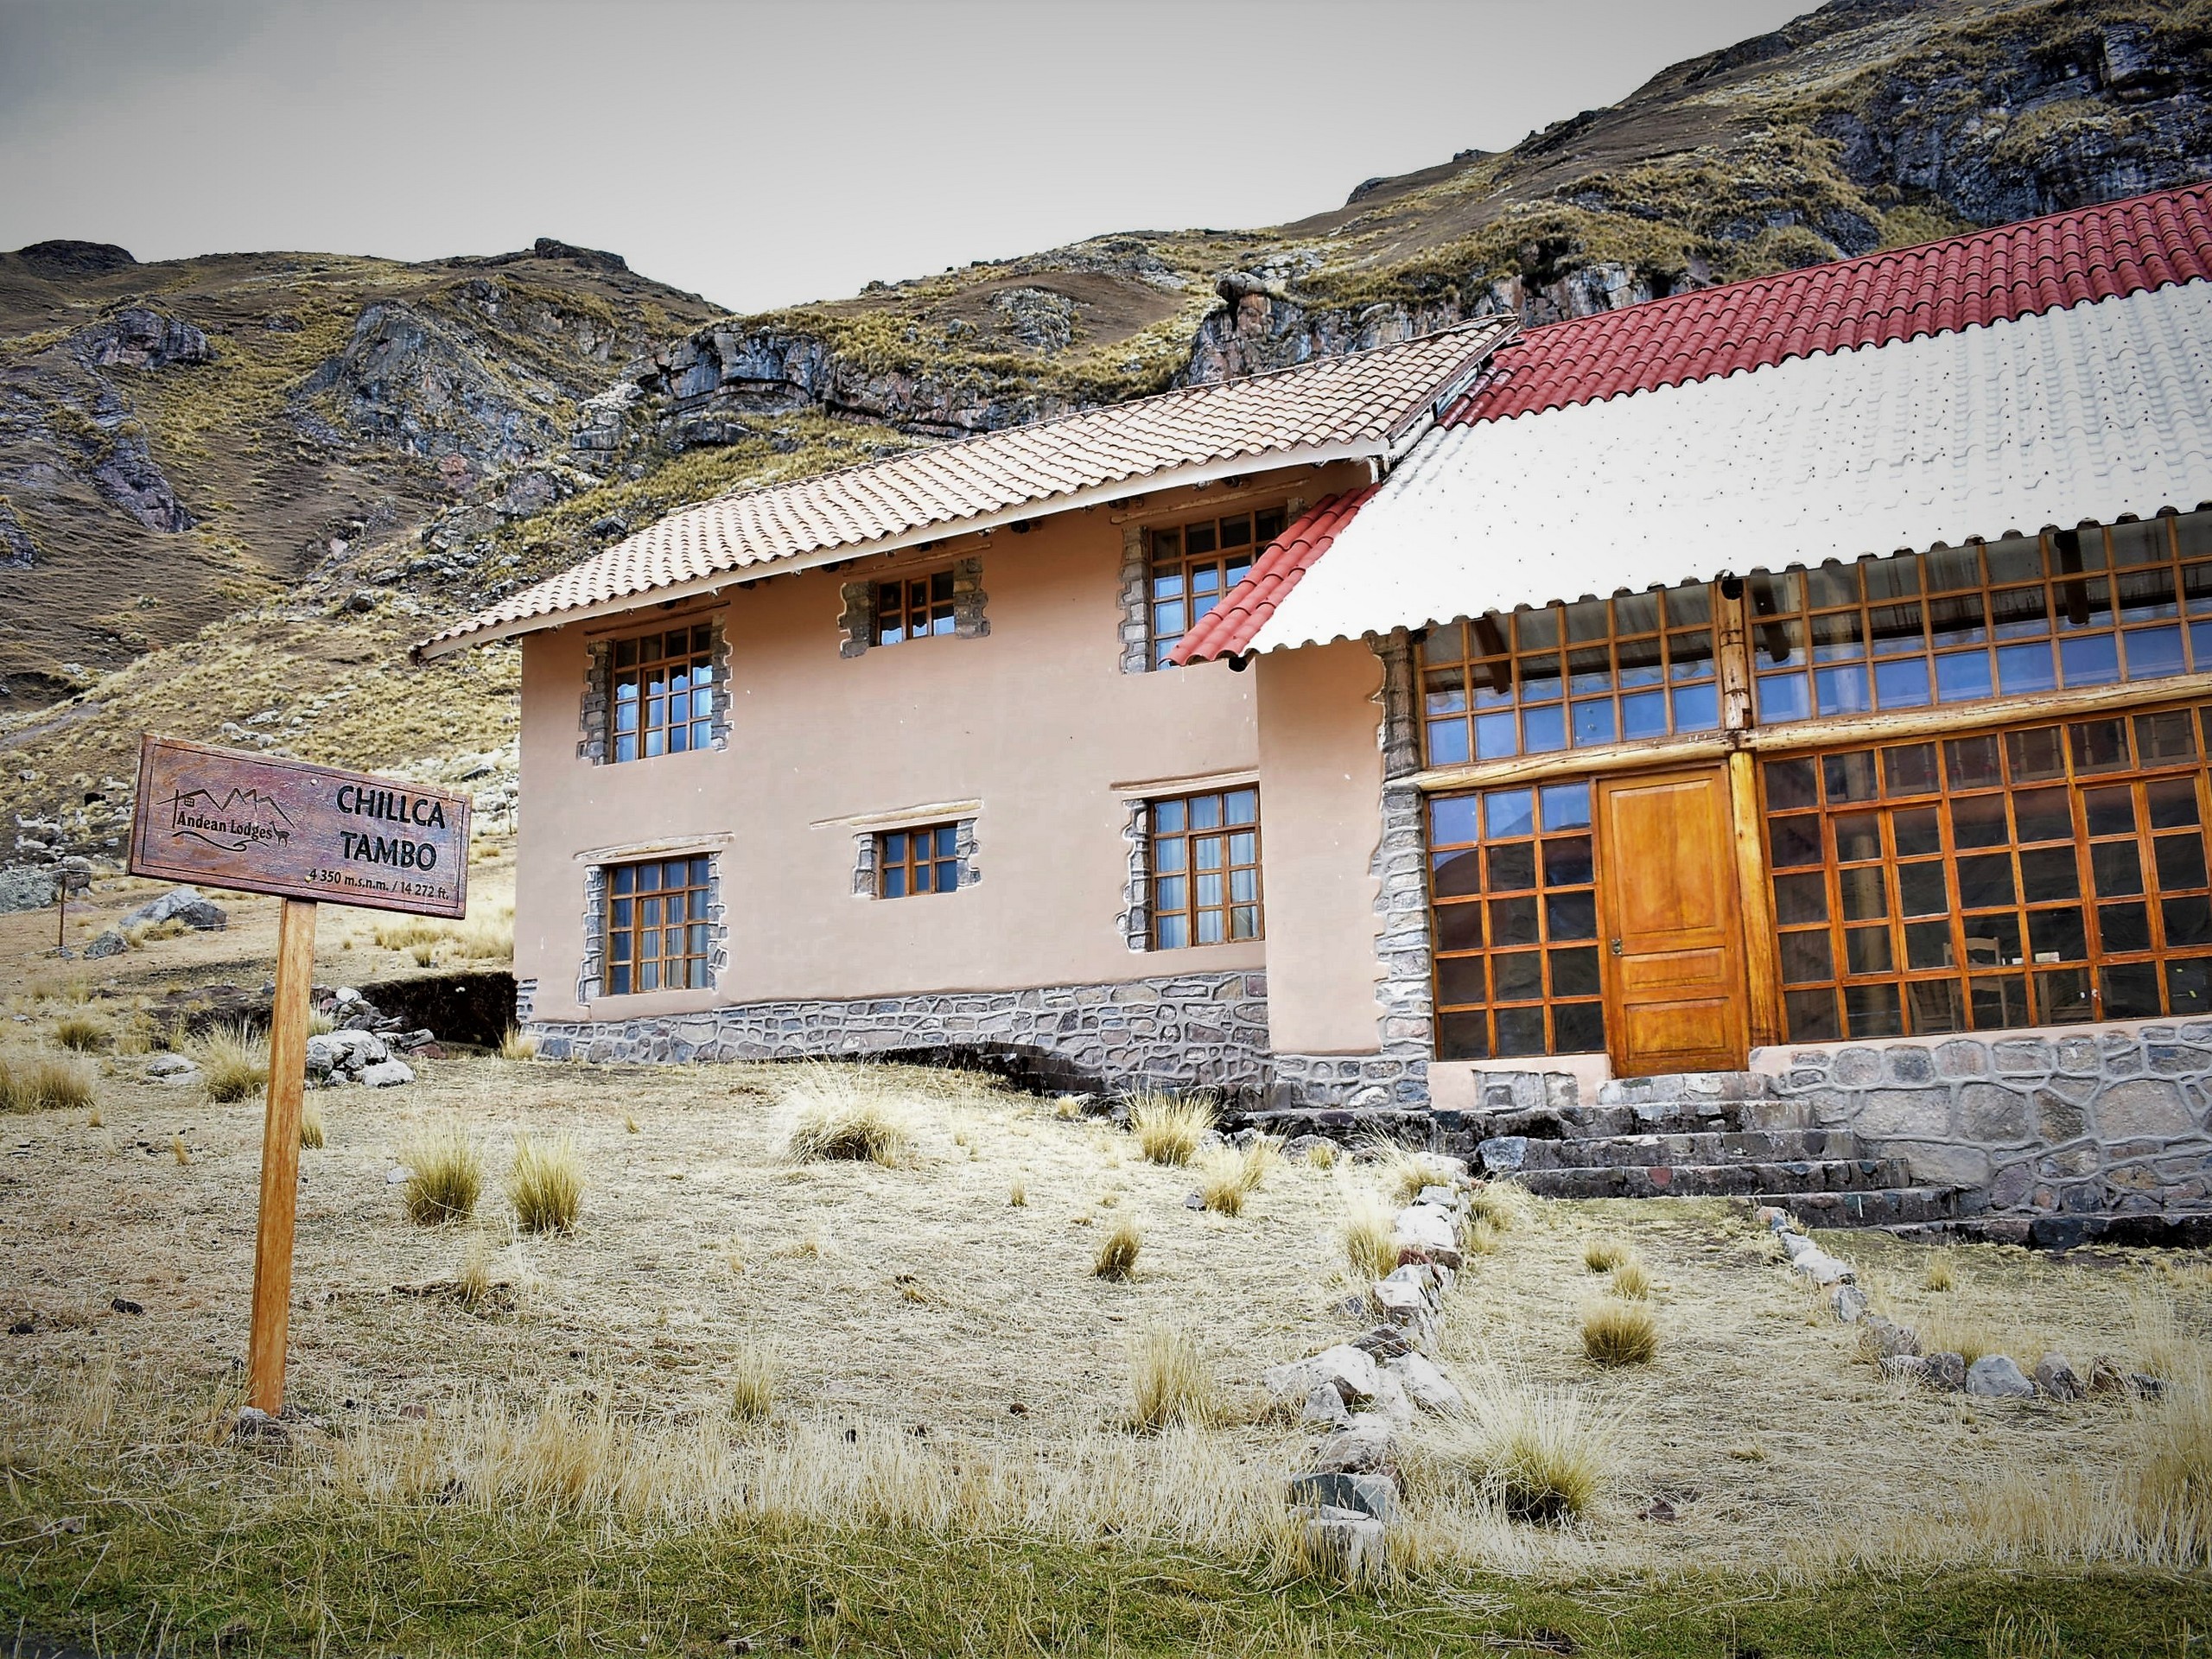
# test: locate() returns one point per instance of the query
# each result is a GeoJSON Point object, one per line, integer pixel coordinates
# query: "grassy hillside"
{"type": "Point", "coordinates": [232, 487]}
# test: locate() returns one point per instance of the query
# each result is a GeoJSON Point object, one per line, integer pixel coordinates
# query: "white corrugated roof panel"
{"type": "Point", "coordinates": [2088, 413]}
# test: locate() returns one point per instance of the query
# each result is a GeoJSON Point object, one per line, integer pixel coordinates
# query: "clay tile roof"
{"type": "Point", "coordinates": [1365, 403]}
{"type": "Point", "coordinates": [1231, 626]}
{"type": "Point", "coordinates": [2014, 270]}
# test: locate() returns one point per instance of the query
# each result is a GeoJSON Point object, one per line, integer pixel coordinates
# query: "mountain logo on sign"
{"type": "Point", "coordinates": [242, 818]}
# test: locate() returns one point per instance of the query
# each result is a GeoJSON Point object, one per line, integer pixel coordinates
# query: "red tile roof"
{"type": "Point", "coordinates": [2014, 270]}
{"type": "Point", "coordinates": [1364, 403]}
{"type": "Point", "coordinates": [1229, 626]}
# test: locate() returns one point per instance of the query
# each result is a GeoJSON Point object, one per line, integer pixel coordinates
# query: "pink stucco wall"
{"type": "Point", "coordinates": [1036, 725]}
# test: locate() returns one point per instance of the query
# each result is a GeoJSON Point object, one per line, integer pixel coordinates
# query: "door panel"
{"type": "Point", "coordinates": [1675, 994]}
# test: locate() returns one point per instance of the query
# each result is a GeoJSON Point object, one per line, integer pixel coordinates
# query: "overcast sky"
{"type": "Point", "coordinates": [766, 153]}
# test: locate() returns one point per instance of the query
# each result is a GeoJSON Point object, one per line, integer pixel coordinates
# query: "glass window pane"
{"type": "Point", "coordinates": [1916, 832]}
{"type": "Point", "coordinates": [2181, 861]}
{"type": "Point", "coordinates": [1459, 980]}
{"type": "Point", "coordinates": [1566, 806]}
{"type": "Point", "coordinates": [1874, 1010]}
{"type": "Point", "coordinates": [1571, 916]}
{"type": "Point", "coordinates": [1511, 866]}
{"type": "Point", "coordinates": [1452, 819]}
{"type": "Point", "coordinates": [1517, 976]}
{"type": "Point", "coordinates": [2115, 868]}
{"type": "Point", "coordinates": [1806, 956]}
{"type": "Point", "coordinates": [2042, 815]}
{"type": "Point", "coordinates": [2057, 936]}
{"type": "Point", "coordinates": [1934, 1006]}
{"type": "Point", "coordinates": [1512, 921]}
{"type": "Point", "coordinates": [1463, 1037]}
{"type": "Point", "coordinates": [1812, 1016]}
{"type": "Point", "coordinates": [1791, 783]}
{"type": "Point", "coordinates": [1866, 895]}
{"type": "Point", "coordinates": [1866, 949]}
{"type": "Point", "coordinates": [1800, 898]}
{"type": "Point", "coordinates": [2123, 927]}
{"type": "Point", "coordinates": [2131, 990]}
{"type": "Point", "coordinates": [2050, 873]}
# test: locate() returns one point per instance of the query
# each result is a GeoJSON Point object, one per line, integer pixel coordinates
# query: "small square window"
{"type": "Point", "coordinates": [660, 699]}
{"type": "Point", "coordinates": [910, 862]}
{"type": "Point", "coordinates": [914, 607]}
{"type": "Point", "coordinates": [1215, 837]}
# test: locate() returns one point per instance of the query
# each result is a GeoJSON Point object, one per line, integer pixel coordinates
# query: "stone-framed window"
{"type": "Point", "coordinates": [1172, 575]}
{"type": "Point", "coordinates": [663, 690]}
{"type": "Point", "coordinates": [652, 925]}
{"type": "Point", "coordinates": [942, 855]}
{"type": "Point", "coordinates": [914, 605]}
{"type": "Point", "coordinates": [1203, 868]}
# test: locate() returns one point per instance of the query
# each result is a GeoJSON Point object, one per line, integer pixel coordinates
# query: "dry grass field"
{"type": "Point", "coordinates": [747, 1395]}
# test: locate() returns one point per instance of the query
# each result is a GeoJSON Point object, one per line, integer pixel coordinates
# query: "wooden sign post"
{"type": "Point", "coordinates": [306, 834]}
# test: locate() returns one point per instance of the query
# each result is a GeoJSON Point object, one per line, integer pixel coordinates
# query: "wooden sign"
{"type": "Point", "coordinates": [304, 833]}
{"type": "Point", "coordinates": [261, 825]}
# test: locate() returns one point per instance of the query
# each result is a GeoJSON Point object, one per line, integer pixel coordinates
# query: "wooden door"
{"type": "Point", "coordinates": [1675, 990]}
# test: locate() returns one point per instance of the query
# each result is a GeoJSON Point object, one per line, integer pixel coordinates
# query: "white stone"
{"type": "Point", "coordinates": [171, 1065]}
{"type": "Point", "coordinates": [1394, 1295]}
{"type": "Point", "coordinates": [1796, 1244]}
{"type": "Point", "coordinates": [1443, 1197]}
{"type": "Point", "coordinates": [1429, 1388]}
{"type": "Point", "coordinates": [398, 1177]}
{"type": "Point", "coordinates": [1325, 1405]}
{"type": "Point", "coordinates": [1823, 1268]}
{"type": "Point", "coordinates": [387, 1074]}
{"type": "Point", "coordinates": [1391, 1402]}
{"type": "Point", "coordinates": [347, 994]}
{"type": "Point", "coordinates": [1994, 1376]}
{"type": "Point", "coordinates": [345, 1051]}
{"type": "Point", "coordinates": [1347, 1542]}
{"type": "Point", "coordinates": [1849, 1302]}
{"type": "Point", "coordinates": [1425, 1227]}
{"type": "Point", "coordinates": [1364, 1448]}
{"type": "Point", "coordinates": [1349, 1371]}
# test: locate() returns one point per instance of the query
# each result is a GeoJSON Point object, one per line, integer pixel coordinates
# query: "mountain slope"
{"type": "Point", "coordinates": [233, 488]}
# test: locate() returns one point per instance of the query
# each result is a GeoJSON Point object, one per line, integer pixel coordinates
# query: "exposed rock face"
{"type": "Point", "coordinates": [404, 379]}
{"type": "Point", "coordinates": [2037, 126]}
{"type": "Point", "coordinates": [17, 551]}
{"type": "Point", "coordinates": [140, 337]}
{"type": "Point", "coordinates": [66, 258]}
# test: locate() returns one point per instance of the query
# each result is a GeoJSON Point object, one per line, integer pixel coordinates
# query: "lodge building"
{"type": "Point", "coordinates": [1809, 677]}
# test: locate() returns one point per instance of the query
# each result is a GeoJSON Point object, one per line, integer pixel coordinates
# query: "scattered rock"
{"type": "Point", "coordinates": [1946, 1371]}
{"type": "Point", "coordinates": [1324, 1404]}
{"type": "Point", "coordinates": [22, 1328]}
{"type": "Point", "coordinates": [1443, 1198]}
{"type": "Point", "coordinates": [1362, 1449]}
{"type": "Point", "coordinates": [1849, 1302]}
{"type": "Point", "coordinates": [1373, 1496]}
{"type": "Point", "coordinates": [2145, 1386]}
{"type": "Point", "coordinates": [255, 1424]}
{"type": "Point", "coordinates": [1772, 1218]}
{"type": "Point", "coordinates": [1658, 1510]}
{"type": "Point", "coordinates": [1889, 1339]}
{"type": "Point", "coordinates": [184, 904]}
{"type": "Point", "coordinates": [1391, 1401]}
{"type": "Point", "coordinates": [1995, 1376]}
{"type": "Point", "coordinates": [124, 1305]}
{"type": "Point", "coordinates": [1194, 1201]}
{"type": "Point", "coordinates": [1346, 1541]}
{"type": "Point", "coordinates": [1384, 1342]}
{"type": "Point", "coordinates": [1349, 1371]}
{"type": "Point", "coordinates": [1429, 1388]}
{"type": "Point", "coordinates": [1398, 1297]}
{"type": "Point", "coordinates": [398, 1177]}
{"type": "Point", "coordinates": [110, 943]}
{"type": "Point", "coordinates": [1911, 1367]}
{"type": "Point", "coordinates": [1426, 1228]}
{"type": "Point", "coordinates": [2056, 1379]}
{"type": "Point", "coordinates": [171, 1068]}
{"type": "Point", "coordinates": [1301, 1148]}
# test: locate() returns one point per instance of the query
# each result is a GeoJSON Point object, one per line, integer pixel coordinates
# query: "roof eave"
{"type": "Point", "coordinates": [1368, 449]}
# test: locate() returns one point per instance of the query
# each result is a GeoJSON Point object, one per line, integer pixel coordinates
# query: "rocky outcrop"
{"type": "Point", "coordinates": [2035, 123]}
{"type": "Point", "coordinates": [406, 378]}
{"type": "Point", "coordinates": [140, 337]}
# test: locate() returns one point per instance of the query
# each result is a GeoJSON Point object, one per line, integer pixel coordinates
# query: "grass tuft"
{"type": "Point", "coordinates": [1170, 1382]}
{"type": "Point", "coordinates": [1220, 1184]}
{"type": "Point", "coordinates": [1617, 1332]}
{"type": "Point", "coordinates": [546, 1185]}
{"type": "Point", "coordinates": [1538, 1454]}
{"type": "Point", "coordinates": [1261, 1157]}
{"type": "Point", "coordinates": [1504, 1204]}
{"type": "Point", "coordinates": [756, 1370]}
{"type": "Point", "coordinates": [1942, 1276]}
{"type": "Point", "coordinates": [1632, 1279]}
{"type": "Point", "coordinates": [473, 1275]}
{"type": "Point", "coordinates": [178, 1150]}
{"type": "Point", "coordinates": [233, 1062]}
{"type": "Point", "coordinates": [312, 1134]}
{"type": "Point", "coordinates": [1604, 1254]}
{"type": "Point", "coordinates": [1168, 1127]}
{"type": "Point", "coordinates": [46, 1084]}
{"type": "Point", "coordinates": [80, 1032]}
{"type": "Point", "coordinates": [516, 1043]}
{"type": "Point", "coordinates": [1404, 1172]}
{"type": "Point", "coordinates": [1018, 1194]}
{"type": "Point", "coordinates": [1368, 1233]}
{"type": "Point", "coordinates": [446, 1175]}
{"type": "Point", "coordinates": [1117, 1257]}
{"type": "Point", "coordinates": [844, 1112]}
{"type": "Point", "coordinates": [1323, 1157]}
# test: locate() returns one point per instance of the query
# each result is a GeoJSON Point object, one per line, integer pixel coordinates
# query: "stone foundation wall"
{"type": "Point", "coordinates": [1188, 1031]}
{"type": "Point", "coordinates": [1359, 1082]}
{"type": "Point", "coordinates": [2112, 1122]}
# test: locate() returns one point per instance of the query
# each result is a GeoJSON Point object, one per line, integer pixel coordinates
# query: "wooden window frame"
{"type": "Point", "coordinates": [1183, 585]}
{"type": "Point", "coordinates": [2056, 941]}
{"type": "Point", "coordinates": [1634, 668]}
{"type": "Point", "coordinates": [1179, 845]}
{"type": "Point", "coordinates": [928, 852]}
{"type": "Point", "coordinates": [915, 605]}
{"type": "Point", "coordinates": [629, 905]}
{"type": "Point", "coordinates": [648, 715]}
{"type": "Point", "coordinates": [2129, 602]}
{"type": "Point", "coordinates": [1535, 881]}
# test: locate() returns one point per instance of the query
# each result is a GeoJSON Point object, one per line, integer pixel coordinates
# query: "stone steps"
{"type": "Point", "coordinates": [1823, 1178]}
{"type": "Point", "coordinates": [1702, 1146]}
{"type": "Point", "coordinates": [1895, 1207]}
